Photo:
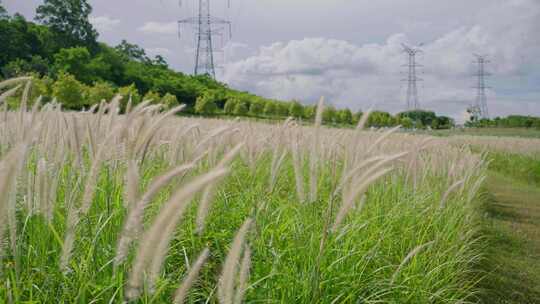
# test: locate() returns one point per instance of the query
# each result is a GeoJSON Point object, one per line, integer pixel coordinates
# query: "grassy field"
{"type": "Point", "coordinates": [148, 208]}
{"type": "Point", "coordinates": [501, 132]}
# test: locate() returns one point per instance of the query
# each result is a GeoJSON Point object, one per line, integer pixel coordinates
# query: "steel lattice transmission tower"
{"type": "Point", "coordinates": [206, 27]}
{"type": "Point", "coordinates": [412, 79]}
{"type": "Point", "coordinates": [480, 109]}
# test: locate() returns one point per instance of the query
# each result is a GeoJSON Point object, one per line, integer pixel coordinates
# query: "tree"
{"type": "Point", "coordinates": [424, 117]}
{"type": "Point", "coordinates": [69, 19]}
{"type": "Point", "coordinates": [345, 116]}
{"type": "Point", "coordinates": [205, 105]}
{"type": "Point", "coordinates": [309, 112]}
{"type": "Point", "coordinates": [282, 109]}
{"type": "Point", "coordinates": [73, 61]}
{"type": "Point", "coordinates": [269, 108]}
{"type": "Point", "coordinates": [329, 114]}
{"type": "Point", "coordinates": [380, 119]}
{"type": "Point", "coordinates": [15, 68]}
{"type": "Point", "coordinates": [68, 91]}
{"type": "Point", "coordinates": [230, 105]}
{"type": "Point", "coordinates": [241, 108]}
{"type": "Point", "coordinates": [256, 108]}
{"type": "Point", "coordinates": [43, 87]}
{"type": "Point", "coordinates": [169, 101]}
{"type": "Point", "coordinates": [407, 123]}
{"type": "Point", "coordinates": [296, 110]}
{"type": "Point", "coordinates": [160, 62]}
{"type": "Point", "coordinates": [356, 117]}
{"type": "Point", "coordinates": [133, 51]}
{"type": "Point", "coordinates": [100, 91]}
{"type": "Point", "coordinates": [3, 12]}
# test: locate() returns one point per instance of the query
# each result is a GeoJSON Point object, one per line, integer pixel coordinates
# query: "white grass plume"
{"type": "Point", "coordinates": [444, 198]}
{"type": "Point", "coordinates": [227, 278]}
{"type": "Point", "coordinates": [314, 157]}
{"type": "Point", "coordinates": [182, 291]}
{"type": "Point", "coordinates": [349, 202]}
{"type": "Point", "coordinates": [9, 82]}
{"type": "Point", "coordinates": [298, 174]}
{"type": "Point", "coordinates": [243, 276]}
{"type": "Point", "coordinates": [134, 218]}
{"type": "Point", "coordinates": [409, 256]}
{"type": "Point", "coordinates": [8, 177]}
{"type": "Point", "coordinates": [169, 214]}
{"type": "Point", "coordinates": [9, 93]}
{"type": "Point", "coordinates": [209, 191]}
{"type": "Point", "coordinates": [131, 191]}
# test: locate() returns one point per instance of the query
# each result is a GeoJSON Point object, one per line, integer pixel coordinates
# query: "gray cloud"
{"type": "Point", "coordinates": [152, 27]}
{"type": "Point", "coordinates": [104, 23]}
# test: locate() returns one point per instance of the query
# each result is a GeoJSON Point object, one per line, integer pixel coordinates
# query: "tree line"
{"type": "Point", "coordinates": [60, 50]}
{"type": "Point", "coordinates": [511, 121]}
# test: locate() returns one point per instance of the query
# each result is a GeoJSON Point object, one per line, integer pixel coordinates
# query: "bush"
{"type": "Point", "coordinates": [269, 108]}
{"type": "Point", "coordinates": [169, 101]}
{"type": "Point", "coordinates": [296, 110]}
{"type": "Point", "coordinates": [256, 108]}
{"type": "Point", "coordinates": [282, 109]}
{"type": "Point", "coordinates": [241, 108]}
{"type": "Point", "coordinates": [129, 92]}
{"type": "Point", "coordinates": [68, 91]}
{"type": "Point", "coordinates": [407, 123]}
{"type": "Point", "coordinates": [329, 114]}
{"type": "Point", "coordinates": [230, 105]}
{"type": "Point", "coordinates": [345, 116]}
{"type": "Point", "coordinates": [100, 91]}
{"type": "Point", "coordinates": [205, 105]}
{"type": "Point", "coordinates": [153, 96]}
{"type": "Point", "coordinates": [309, 112]}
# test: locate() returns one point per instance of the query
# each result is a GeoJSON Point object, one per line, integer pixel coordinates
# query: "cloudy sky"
{"type": "Point", "coordinates": [348, 50]}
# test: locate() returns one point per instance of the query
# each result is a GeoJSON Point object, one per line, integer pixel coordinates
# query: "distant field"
{"type": "Point", "coordinates": [507, 132]}
{"type": "Point", "coordinates": [105, 207]}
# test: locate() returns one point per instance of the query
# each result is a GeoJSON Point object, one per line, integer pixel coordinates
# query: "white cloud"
{"type": "Point", "coordinates": [153, 27]}
{"type": "Point", "coordinates": [359, 76]}
{"type": "Point", "coordinates": [104, 23]}
{"type": "Point", "coordinates": [158, 51]}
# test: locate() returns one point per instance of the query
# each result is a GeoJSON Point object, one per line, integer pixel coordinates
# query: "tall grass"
{"type": "Point", "coordinates": [150, 208]}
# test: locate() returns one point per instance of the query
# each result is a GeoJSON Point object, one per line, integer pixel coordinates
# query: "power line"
{"type": "Point", "coordinates": [206, 27]}
{"type": "Point", "coordinates": [412, 78]}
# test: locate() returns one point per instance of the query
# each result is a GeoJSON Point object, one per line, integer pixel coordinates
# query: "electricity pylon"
{"type": "Point", "coordinates": [206, 26]}
{"type": "Point", "coordinates": [412, 79]}
{"type": "Point", "coordinates": [479, 109]}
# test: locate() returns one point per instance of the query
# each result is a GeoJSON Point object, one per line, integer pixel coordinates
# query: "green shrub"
{"type": "Point", "coordinates": [169, 101]}
{"type": "Point", "coordinates": [205, 105]}
{"type": "Point", "coordinates": [100, 91]}
{"type": "Point", "coordinates": [241, 108]}
{"type": "Point", "coordinates": [296, 110]}
{"type": "Point", "coordinates": [68, 91]}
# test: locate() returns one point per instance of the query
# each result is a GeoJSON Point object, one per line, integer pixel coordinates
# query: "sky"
{"type": "Point", "coordinates": [347, 50]}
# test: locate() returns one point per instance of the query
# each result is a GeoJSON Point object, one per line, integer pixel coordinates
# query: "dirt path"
{"type": "Point", "coordinates": [513, 228]}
